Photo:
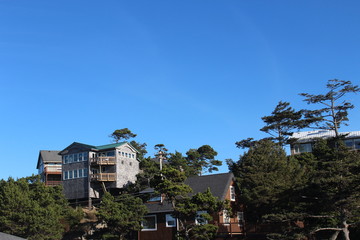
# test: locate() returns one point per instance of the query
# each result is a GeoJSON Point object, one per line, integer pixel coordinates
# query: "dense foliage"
{"type": "Point", "coordinates": [34, 211]}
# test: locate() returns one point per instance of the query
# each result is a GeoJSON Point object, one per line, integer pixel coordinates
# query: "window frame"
{"type": "Point", "coordinates": [149, 229]}
{"type": "Point", "coordinates": [169, 217]}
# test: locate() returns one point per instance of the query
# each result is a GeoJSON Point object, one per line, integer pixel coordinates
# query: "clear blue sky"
{"type": "Point", "coordinates": [180, 73]}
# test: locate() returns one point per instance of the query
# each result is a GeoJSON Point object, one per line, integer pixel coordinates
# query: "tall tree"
{"type": "Point", "coordinates": [203, 159]}
{"type": "Point", "coordinates": [171, 183]}
{"type": "Point", "coordinates": [121, 215]}
{"type": "Point", "coordinates": [333, 192]}
{"type": "Point", "coordinates": [122, 134]}
{"type": "Point", "coordinates": [265, 174]}
{"type": "Point", "coordinates": [334, 112]}
{"type": "Point", "coordinates": [283, 121]}
{"type": "Point", "coordinates": [32, 210]}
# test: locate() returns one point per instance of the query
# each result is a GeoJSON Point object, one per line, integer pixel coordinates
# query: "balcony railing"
{"type": "Point", "coordinates": [52, 183]}
{"type": "Point", "coordinates": [103, 161]}
{"type": "Point", "coordinates": [103, 177]}
{"type": "Point", "coordinates": [52, 169]}
{"type": "Point", "coordinates": [231, 229]}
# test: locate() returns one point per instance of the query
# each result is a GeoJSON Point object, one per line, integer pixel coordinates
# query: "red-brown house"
{"type": "Point", "coordinates": [160, 224]}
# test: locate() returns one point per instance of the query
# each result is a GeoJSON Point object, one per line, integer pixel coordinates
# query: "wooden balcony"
{"type": "Point", "coordinates": [230, 229]}
{"type": "Point", "coordinates": [52, 169]}
{"type": "Point", "coordinates": [103, 177]}
{"type": "Point", "coordinates": [103, 161]}
{"type": "Point", "coordinates": [52, 183]}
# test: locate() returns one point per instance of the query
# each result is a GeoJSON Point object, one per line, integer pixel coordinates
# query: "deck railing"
{"type": "Point", "coordinates": [104, 177]}
{"type": "Point", "coordinates": [50, 169]}
{"type": "Point", "coordinates": [103, 160]}
{"type": "Point", "coordinates": [52, 183]}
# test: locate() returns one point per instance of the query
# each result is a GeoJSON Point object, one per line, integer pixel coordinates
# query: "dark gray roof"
{"type": "Point", "coordinates": [218, 184]}
{"type": "Point", "coordinates": [48, 156]}
{"type": "Point", "coordinates": [4, 236]}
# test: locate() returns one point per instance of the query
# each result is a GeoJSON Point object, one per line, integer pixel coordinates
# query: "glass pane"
{"type": "Point", "coordinates": [149, 222]}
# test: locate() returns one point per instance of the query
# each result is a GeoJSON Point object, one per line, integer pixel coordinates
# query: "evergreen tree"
{"type": "Point", "coordinates": [203, 159]}
{"type": "Point", "coordinates": [283, 121]}
{"type": "Point", "coordinates": [334, 112]}
{"type": "Point", "coordinates": [122, 134]}
{"type": "Point", "coordinates": [121, 215]}
{"type": "Point", "coordinates": [32, 210]}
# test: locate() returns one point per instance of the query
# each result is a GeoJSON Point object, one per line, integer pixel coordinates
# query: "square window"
{"type": "Point", "coordinates": [149, 223]}
{"type": "Point", "coordinates": [170, 220]}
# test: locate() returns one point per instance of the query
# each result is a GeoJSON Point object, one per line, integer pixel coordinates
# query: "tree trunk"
{"type": "Point", "coordinates": [346, 231]}
{"type": "Point", "coordinates": [334, 236]}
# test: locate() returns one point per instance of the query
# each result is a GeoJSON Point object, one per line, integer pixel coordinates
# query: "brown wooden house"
{"type": "Point", "coordinates": [160, 224]}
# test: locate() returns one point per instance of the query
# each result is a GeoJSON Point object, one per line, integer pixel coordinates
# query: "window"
{"type": "Point", "coordinates": [66, 159]}
{"type": "Point", "coordinates": [357, 143]}
{"type": "Point", "coordinates": [70, 158]}
{"type": "Point", "coordinates": [232, 193]}
{"type": "Point", "coordinates": [86, 156]}
{"type": "Point", "coordinates": [133, 155]}
{"type": "Point", "coordinates": [304, 147]}
{"type": "Point", "coordinates": [70, 174]}
{"type": "Point", "coordinates": [80, 173]}
{"type": "Point", "coordinates": [126, 155]}
{"type": "Point", "coordinates": [75, 173]}
{"type": "Point", "coordinates": [149, 223]}
{"type": "Point", "coordinates": [110, 154]}
{"type": "Point", "coordinates": [76, 157]}
{"type": "Point", "coordinates": [85, 172]}
{"type": "Point", "coordinates": [156, 198]}
{"type": "Point", "coordinates": [80, 157]}
{"type": "Point", "coordinates": [200, 219]}
{"type": "Point", "coordinates": [170, 220]}
{"type": "Point", "coordinates": [66, 175]}
{"type": "Point", "coordinates": [226, 217]}
{"type": "Point", "coordinates": [241, 219]}
{"type": "Point", "coordinates": [240, 216]}
{"type": "Point", "coordinates": [122, 153]}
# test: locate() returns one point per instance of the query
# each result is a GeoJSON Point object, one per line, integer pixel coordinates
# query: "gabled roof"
{"type": "Point", "coordinates": [87, 147]}
{"type": "Point", "coordinates": [310, 136]}
{"type": "Point", "coordinates": [218, 184]}
{"type": "Point", "coordinates": [48, 156]}
{"type": "Point", "coordinates": [4, 236]}
{"type": "Point", "coordinates": [109, 146]}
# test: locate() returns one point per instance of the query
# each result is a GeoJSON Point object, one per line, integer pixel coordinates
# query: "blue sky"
{"type": "Point", "coordinates": [181, 73]}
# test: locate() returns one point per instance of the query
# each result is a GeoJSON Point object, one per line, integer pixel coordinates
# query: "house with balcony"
{"type": "Point", "coordinates": [49, 166]}
{"type": "Point", "coordinates": [303, 141]}
{"type": "Point", "coordinates": [88, 171]}
{"type": "Point", "coordinates": [160, 224]}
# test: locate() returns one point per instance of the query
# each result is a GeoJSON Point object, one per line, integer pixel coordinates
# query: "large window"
{"type": "Point", "coordinates": [170, 220]}
{"type": "Point", "coordinates": [303, 147]}
{"type": "Point", "coordinates": [77, 173]}
{"type": "Point", "coordinates": [149, 223]}
{"type": "Point", "coordinates": [76, 157]}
